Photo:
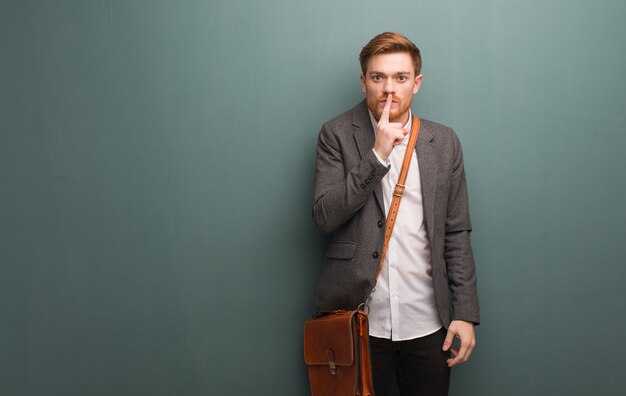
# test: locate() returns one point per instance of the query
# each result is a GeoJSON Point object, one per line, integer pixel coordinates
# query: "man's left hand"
{"type": "Point", "coordinates": [464, 331]}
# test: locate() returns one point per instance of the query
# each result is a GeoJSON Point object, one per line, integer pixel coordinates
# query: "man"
{"type": "Point", "coordinates": [426, 293]}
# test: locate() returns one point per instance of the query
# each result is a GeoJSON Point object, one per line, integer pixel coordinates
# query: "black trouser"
{"type": "Point", "coordinates": [419, 365]}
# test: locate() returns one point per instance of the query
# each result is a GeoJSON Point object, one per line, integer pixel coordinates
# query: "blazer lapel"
{"type": "Point", "coordinates": [427, 159]}
{"type": "Point", "coordinates": [364, 138]}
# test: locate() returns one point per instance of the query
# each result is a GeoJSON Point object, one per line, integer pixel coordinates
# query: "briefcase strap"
{"type": "Point", "coordinates": [398, 191]}
{"type": "Point", "coordinates": [366, 364]}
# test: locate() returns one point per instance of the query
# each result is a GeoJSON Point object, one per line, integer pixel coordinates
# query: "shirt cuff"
{"type": "Point", "coordinates": [382, 161]}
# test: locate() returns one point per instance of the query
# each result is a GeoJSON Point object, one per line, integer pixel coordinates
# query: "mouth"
{"type": "Point", "coordinates": [382, 103]}
{"type": "Point", "coordinates": [384, 100]}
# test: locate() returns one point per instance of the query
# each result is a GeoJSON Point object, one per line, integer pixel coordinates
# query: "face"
{"type": "Point", "coordinates": [390, 74]}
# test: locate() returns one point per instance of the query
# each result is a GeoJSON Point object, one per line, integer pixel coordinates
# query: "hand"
{"type": "Point", "coordinates": [464, 331]}
{"type": "Point", "coordinates": [388, 134]}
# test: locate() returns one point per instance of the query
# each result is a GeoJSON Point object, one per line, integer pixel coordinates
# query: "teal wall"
{"type": "Point", "coordinates": [156, 165]}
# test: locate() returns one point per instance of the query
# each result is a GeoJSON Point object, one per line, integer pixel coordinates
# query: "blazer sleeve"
{"type": "Point", "coordinates": [343, 182]}
{"type": "Point", "coordinates": [458, 253]}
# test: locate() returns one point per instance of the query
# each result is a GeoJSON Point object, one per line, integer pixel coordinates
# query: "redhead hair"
{"type": "Point", "coordinates": [388, 43]}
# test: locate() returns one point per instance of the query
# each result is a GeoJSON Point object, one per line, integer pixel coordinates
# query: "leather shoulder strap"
{"type": "Point", "coordinates": [399, 191]}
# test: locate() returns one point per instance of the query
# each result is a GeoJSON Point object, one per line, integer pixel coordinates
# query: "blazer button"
{"type": "Point", "coordinates": [380, 223]}
{"type": "Point", "coordinates": [375, 254]}
{"type": "Point", "coordinates": [362, 185]}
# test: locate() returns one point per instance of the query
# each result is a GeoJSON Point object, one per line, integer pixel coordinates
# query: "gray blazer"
{"type": "Point", "coordinates": [348, 203]}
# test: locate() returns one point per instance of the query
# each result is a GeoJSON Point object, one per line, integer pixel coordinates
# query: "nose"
{"type": "Point", "coordinates": [389, 86]}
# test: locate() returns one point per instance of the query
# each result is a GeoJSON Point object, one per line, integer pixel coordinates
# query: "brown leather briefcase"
{"type": "Point", "coordinates": [336, 351]}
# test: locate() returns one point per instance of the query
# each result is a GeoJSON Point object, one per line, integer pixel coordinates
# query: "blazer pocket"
{"type": "Point", "coordinates": [341, 250]}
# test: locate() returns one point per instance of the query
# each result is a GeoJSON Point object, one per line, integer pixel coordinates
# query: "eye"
{"type": "Point", "coordinates": [403, 78]}
{"type": "Point", "coordinates": [377, 78]}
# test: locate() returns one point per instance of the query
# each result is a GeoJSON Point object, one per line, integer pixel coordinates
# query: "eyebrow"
{"type": "Point", "coordinates": [398, 73]}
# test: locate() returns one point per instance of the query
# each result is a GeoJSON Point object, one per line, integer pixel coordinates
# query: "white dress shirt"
{"type": "Point", "coordinates": [402, 306]}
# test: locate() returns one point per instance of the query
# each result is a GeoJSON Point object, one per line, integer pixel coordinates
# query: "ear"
{"type": "Point", "coordinates": [363, 87]}
{"type": "Point", "coordinates": [418, 82]}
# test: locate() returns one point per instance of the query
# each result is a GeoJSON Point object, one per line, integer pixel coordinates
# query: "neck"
{"type": "Point", "coordinates": [403, 119]}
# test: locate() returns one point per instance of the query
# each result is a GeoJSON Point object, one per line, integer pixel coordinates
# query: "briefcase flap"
{"type": "Point", "coordinates": [330, 337]}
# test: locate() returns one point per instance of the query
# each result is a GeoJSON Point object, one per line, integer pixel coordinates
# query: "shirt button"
{"type": "Point", "coordinates": [380, 223]}
{"type": "Point", "coordinates": [375, 254]}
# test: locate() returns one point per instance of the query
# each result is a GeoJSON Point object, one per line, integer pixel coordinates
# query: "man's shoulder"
{"type": "Point", "coordinates": [436, 127]}
{"type": "Point", "coordinates": [356, 115]}
{"type": "Point", "coordinates": [439, 131]}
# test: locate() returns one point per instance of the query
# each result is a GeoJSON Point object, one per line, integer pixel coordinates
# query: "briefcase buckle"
{"type": "Point", "coordinates": [331, 362]}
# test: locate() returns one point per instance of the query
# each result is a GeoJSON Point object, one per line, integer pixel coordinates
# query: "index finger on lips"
{"type": "Point", "coordinates": [384, 117]}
